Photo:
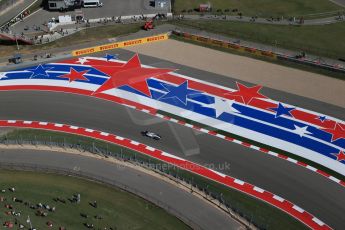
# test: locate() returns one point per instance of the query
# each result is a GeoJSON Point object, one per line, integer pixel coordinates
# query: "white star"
{"type": "Point", "coordinates": [2, 75]}
{"type": "Point", "coordinates": [223, 106]}
{"type": "Point", "coordinates": [301, 131]}
{"type": "Point", "coordinates": [82, 60]}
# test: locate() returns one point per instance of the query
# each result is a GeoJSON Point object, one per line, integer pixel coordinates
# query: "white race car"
{"type": "Point", "coordinates": [152, 135]}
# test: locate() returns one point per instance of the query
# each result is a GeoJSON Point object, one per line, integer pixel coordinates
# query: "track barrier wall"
{"type": "Point", "coordinates": [116, 45]}
{"type": "Point", "coordinates": [226, 44]}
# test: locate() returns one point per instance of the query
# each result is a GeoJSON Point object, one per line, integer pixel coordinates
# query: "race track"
{"type": "Point", "coordinates": [191, 207]}
{"type": "Point", "coordinates": [320, 196]}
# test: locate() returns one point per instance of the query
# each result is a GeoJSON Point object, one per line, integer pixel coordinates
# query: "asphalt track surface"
{"type": "Point", "coordinates": [314, 193]}
{"type": "Point", "coordinates": [190, 206]}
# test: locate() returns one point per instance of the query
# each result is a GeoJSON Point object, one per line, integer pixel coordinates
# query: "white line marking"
{"type": "Point", "coordinates": [291, 160]}
{"type": "Point", "coordinates": [220, 135]}
{"type": "Point", "coordinates": [135, 143]}
{"type": "Point", "coordinates": [273, 153]}
{"type": "Point", "coordinates": [278, 198]}
{"type": "Point", "coordinates": [319, 222]}
{"type": "Point", "coordinates": [260, 190]}
{"type": "Point", "coordinates": [298, 208]}
{"type": "Point", "coordinates": [150, 148]}
{"type": "Point", "coordinates": [237, 181]}
{"type": "Point", "coordinates": [334, 179]}
{"type": "Point", "coordinates": [311, 168]}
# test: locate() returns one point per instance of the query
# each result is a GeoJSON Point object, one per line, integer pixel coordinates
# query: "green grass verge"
{"type": "Point", "coordinates": [311, 163]}
{"type": "Point", "coordinates": [322, 40]}
{"type": "Point", "coordinates": [264, 8]}
{"type": "Point", "coordinates": [308, 68]}
{"type": "Point", "coordinates": [261, 214]}
{"type": "Point", "coordinates": [119, 209]}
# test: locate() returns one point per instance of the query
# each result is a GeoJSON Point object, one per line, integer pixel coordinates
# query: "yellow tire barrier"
{"type": "Point", "coordinates": [224, 44]}
{"type": "Point", "coordinates": [116, 45]}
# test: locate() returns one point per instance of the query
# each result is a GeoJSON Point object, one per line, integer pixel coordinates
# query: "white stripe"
{"type": "Point", "coordinates": [220, 135]}
{"type": "Point", "coordinates": [58, 125]}
{"type": "Point", "coordinates": [145, 110]}
{"type": "Point", "coordinates": [218, 173]}
{"type": "Point", "coordinates": [74, 127]}
{"type": "Point", "coordinates": [104, 134]}
{"type": "Point", "coordinates": [273, 153]}
{"type": "Point", "coordinates": [298, 208]}
{"type": "Point", "coordinates": [278, 198]}
{"type": "Point", "coordinates": [188, 125]}
{"type": "Point", "coordinates": [291, 160]}
{"type": "Point", "coordinates": [11, 121]}
{"type": "Point", "coordinates": [204, 130]}
{"type": "Point", "coordinates": [86, 74]}
{"type": "Point", "coordinates": [172, 156]}
{"type": "Point", "coordinates": [237, 181]}
{"type": "Point", "coordinates": [319, 222]}
{"type": "Point", "coordinates": [260, 190]}
{"type": "Point", "coordinates": [311, 168]}
{"type": "Point", "coordinates": [255, 147]}
{"type": "Point", "coordinates": [336, 180]}
{"type": "Point", "coordinates": [173, 120]}
{"type": "Point", "coordinates": [119, 138]}
{"type": "Point", "coordinates": [135, 143]}
{"type": "Point", "coordinates": [43, 123]}
{"type": "Point", "coordinates": [27, 122]}
{"type": "Point", "coordinates": [150, 148]}
{"type": "Point", "coordinates": [237, 141]}
{"type": "Point", "coordinates": [89, 130]}
{"type": "Point", "coordinates": [131, 106]}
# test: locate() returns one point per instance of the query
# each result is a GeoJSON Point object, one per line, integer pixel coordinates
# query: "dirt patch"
{"type": "Point", "coordinates": [299, 82]}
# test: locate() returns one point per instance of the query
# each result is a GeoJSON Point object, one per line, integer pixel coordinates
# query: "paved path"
{"type": "Point", "coordinates": [296, 21]}
{"type": "Point", "coordinates": [190, 206]}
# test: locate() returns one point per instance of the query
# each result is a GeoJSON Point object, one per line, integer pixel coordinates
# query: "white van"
{"type": "Point", "coordinates": [92, 3]}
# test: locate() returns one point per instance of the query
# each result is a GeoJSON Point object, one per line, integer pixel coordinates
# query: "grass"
{"type": "Point", "coordinates": [295, 65]}
{"type": "Point", "coordinates": [264, 8]}
{"type": "Point", "coordinates": [260, 213]}
{"type": "Point", "coordinates": [321, 40]}
{"type": "Point", "coordinates": [311, 163]}
{"type": "Point", "coordinates": [119, 209]}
